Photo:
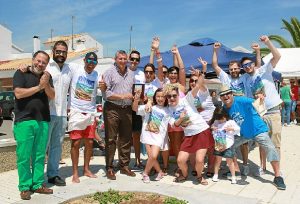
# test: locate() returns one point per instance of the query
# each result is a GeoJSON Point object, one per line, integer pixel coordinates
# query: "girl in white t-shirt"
{"type": "Point", "coordinates": [224, 131]}
{"type": "Point", "coordinates": [154, 130]}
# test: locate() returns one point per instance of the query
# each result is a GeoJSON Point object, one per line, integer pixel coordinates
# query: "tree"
{"type": "Point", "coordinates": [293, 28]}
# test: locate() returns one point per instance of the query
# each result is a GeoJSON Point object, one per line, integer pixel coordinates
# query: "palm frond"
{"type": "Point", "coordinates": [296, 25]}
{"type": "Point", "coordinates": [282, 42]}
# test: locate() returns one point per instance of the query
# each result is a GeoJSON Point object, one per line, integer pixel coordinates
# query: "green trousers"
{"type": "Point", "coordinates": [31, 137]}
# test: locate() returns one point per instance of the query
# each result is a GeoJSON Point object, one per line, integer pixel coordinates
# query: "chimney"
{"type": "Point", "coordinates": [36, 44]}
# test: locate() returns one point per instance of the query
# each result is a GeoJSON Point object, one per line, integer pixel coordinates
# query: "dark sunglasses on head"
{"type": "Point", "coordinates": [91, 61]}
{"type": "Point", "coordinates": [247, 65]}
{"type": "Point", "coordinates": [169, 96]}
{"type": "Point", "coordinates": [133, 59]}
{"type": "Point", "coordinates": [193, 80]}
{"type": "Point", "coordinates": [59, 52]}
{"type": "Point", "coordinates": [148, 72]}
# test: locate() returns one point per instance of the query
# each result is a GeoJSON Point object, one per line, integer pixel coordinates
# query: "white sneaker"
{"type": "Point", "coordinates": [233, 180]}
{"type": "Point", "coordinates": [260, 171]}
{"type": "Point", "coordinates": [295, 122]}
{"type": "Point", "coordinates": [245, 170]}
{"type": "Point", "coordinates": [215, 178]}
{"type": "Point", "coordinates": [145, 178]}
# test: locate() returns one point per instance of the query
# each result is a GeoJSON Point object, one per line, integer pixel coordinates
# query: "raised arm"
{"type": "Point", "coordinates": [215, 65]}
{"type": "Point", "coordinates": [276, 55]}
{"type": "Point", "coordinates": [200, 83]}
{"type": "Point", "coordinates": [154, 47]}
{"type": "Point", "coordinates": [256, 49]}
{"type": "Point", "coordinates": [204, 65]}
{"type": "Point", "coordinates": [181, 74]}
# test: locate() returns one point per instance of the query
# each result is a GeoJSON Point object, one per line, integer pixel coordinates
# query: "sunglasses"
{"type": "Point", "coordinates": [148, 72]}
{"type": "Point", "coordinates": [169, 96]}
{"type": "Point", "coordinates": [90, 61]}
{"type": "Point", "coordinates": [247, 65]}
{"type": "Point", "coordinates": [226, 94]}
{"type": "Point", "coordinates": [234, 69]}
{"type": "Point", "coordinates": [165, 72]}
{"type": "Point", "coordinates": [193, 80]}
{"type": "Point", "coordinates": [60, 52]}
{"type": "Point", "coordinates": [133, 59]}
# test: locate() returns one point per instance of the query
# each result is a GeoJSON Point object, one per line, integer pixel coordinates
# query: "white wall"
{"type": "Point", "coordinates": [5, 43]}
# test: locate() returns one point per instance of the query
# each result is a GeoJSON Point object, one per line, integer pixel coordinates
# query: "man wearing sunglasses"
{"type": "Point", "coordinates": [241, 110]}
{"type": "Point", "coordinates": [261, 81]}
{"type": "Point", "coordinates": [83, 92]}
{"type": "Point", "coordinates": [233, 81]}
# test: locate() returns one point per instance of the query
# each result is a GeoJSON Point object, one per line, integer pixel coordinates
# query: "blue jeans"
{"type": "Point", "coordinates": [286, 112]}
{"type": "Point", "coordinates": [264, 141]}
{"type": "Point", "coordinates": [293, 106]}
{"type": "Point", "coordinates": [57, 128]}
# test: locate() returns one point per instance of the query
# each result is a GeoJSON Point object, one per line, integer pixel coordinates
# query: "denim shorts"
{"type": "Point", "coordinates": [264, 141]}
{"type": "Point", "coordinates": [227, 153]}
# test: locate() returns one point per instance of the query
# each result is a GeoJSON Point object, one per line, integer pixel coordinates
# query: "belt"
{"type": "Point", "coordinates": [117, 106]}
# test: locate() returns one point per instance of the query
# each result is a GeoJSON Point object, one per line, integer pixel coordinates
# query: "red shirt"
{"type": "Point", "coordinates": [294, 90]}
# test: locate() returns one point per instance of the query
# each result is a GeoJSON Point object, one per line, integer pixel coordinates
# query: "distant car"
{"type": "Point", "coordinates": [7, 101]}
{"type": "Point", "coordinates": [1, 118]}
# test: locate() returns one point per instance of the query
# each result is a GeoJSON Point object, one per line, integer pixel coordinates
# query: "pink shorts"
{"type": "Point", "coordinates": [88, 132]}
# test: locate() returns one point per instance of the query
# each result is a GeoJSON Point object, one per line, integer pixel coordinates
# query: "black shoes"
{"type": "Point", "coordinates": [56, 180]}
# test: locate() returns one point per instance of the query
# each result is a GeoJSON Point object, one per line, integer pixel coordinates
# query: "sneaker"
{"type": "Point", "coordinates": [145, 178]}
{"type": "Point", "coordinates": [279, 183]}
{"type": "Point", "coordinates": [295, 122]}
{"type": "Point", "coordinates": [288, 125]}
{"type": "Point", "coordinates": [233, 180]}
{"type": "Point", "coordinates": [228, 174]}
{"type": "Point", "coordinates": [245, 170]}
{"type": "Point", "coordinates": [159, 176]}
{"type": "Point", "coordinates": [215, 178]}
{"type": "Point", "coordinates": [260, 171]}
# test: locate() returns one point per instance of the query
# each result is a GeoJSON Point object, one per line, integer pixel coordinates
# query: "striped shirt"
{"type": "Point", "coordinates": [117, 83]}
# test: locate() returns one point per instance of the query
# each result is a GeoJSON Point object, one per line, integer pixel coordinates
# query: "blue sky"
{"type": "Point", "coordinates": [232, 22]}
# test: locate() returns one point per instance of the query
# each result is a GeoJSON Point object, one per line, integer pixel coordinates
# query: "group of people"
{"type": "Point", "coordinates": [150, 107]}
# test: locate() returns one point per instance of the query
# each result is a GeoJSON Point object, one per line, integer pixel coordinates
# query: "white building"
{"type": "Point", "coordinates": [11, 56]}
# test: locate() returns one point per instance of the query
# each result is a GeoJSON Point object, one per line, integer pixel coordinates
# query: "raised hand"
{"type": "Point", "coordinates": [195, 72]}
{"type": "Point", "coordinates": [255, 47]}
{"type": "Point", "coordinates": [264, 38]}
{"type": "Point", "coordinates": [203, 62]}
{"type": "Point", "coordinates": [102, 85]}
{"type": "Point", "coordinates": [217, 45]}
{"type": "Point", "coordinates": [174, 49]}
{"type": "Point", "coordinates": [155, 43]}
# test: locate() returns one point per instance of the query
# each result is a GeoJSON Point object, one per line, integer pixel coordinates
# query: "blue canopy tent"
{"type": "Point", "coordinates": [202, 47]}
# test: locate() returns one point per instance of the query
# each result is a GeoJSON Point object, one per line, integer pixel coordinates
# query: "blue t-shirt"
{"type": "Point", "coordinates": [244, 114]}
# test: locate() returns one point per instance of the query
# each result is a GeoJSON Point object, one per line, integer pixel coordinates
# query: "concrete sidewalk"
{"type": "Point", "coordinates": [248, 190]}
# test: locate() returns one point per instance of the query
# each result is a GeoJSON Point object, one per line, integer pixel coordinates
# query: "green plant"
{"type": "Point", "coordinates": [111, 196]}
{"type": "Point", "coordinates": [172, 200]}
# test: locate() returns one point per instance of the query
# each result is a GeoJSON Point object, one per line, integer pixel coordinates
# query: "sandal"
{"type": "Point", "coordinates": [194, 173]}
{"type": "Point", "coordinates": [202, 181]}
{"type": "Point", "coordinates": [180, 179]}
{"type": "Point", "coordinates": [209, 174]}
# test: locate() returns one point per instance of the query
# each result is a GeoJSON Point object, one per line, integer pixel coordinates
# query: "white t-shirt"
{"type": "Point", "coordinates": [83, 90]}
{"type": "Point", "coordinates": [155, 125]}
{"type": "Point", "coordinates": [61, 82]}
{"type": "Point", "coordinates": [262, 80]}
{"type": "Point", "coordinates": [235, 84]}
{"type": "Point", "coordinates": [193, 122]}
{"type": "Point", "coordinates": [151, 87]}
{"type": "Point", "coordinates": [205, 105]}
{"type": "Point", "coordinates": [225, 137]}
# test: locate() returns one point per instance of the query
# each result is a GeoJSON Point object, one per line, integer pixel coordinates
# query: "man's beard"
{"type": "Point", "coordinates": [59, 59]}
{"type": "Point", "coordinates": [35, 70]}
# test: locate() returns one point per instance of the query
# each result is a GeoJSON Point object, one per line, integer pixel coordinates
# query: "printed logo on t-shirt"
{"type": "Point", "coordinates": [198, 104]}
{"type": "Point", "coordinates": [257, 86]}
{"type": "Point", "coordinates": [237, 88]}
{"type": "Point", "coordinates": [220, 140]}
{"type": "Point", "coordinates": [84, 89]}
{"type": "Point", "coordinates": [238, 118]}
{"type": "Point", "coordinates": [154, 121]}
{"type": "Point", "coordinates": [186, 120]}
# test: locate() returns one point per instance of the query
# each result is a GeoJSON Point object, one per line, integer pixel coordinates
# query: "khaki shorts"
{"type": "Point", "coordinates": [273, 121]}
